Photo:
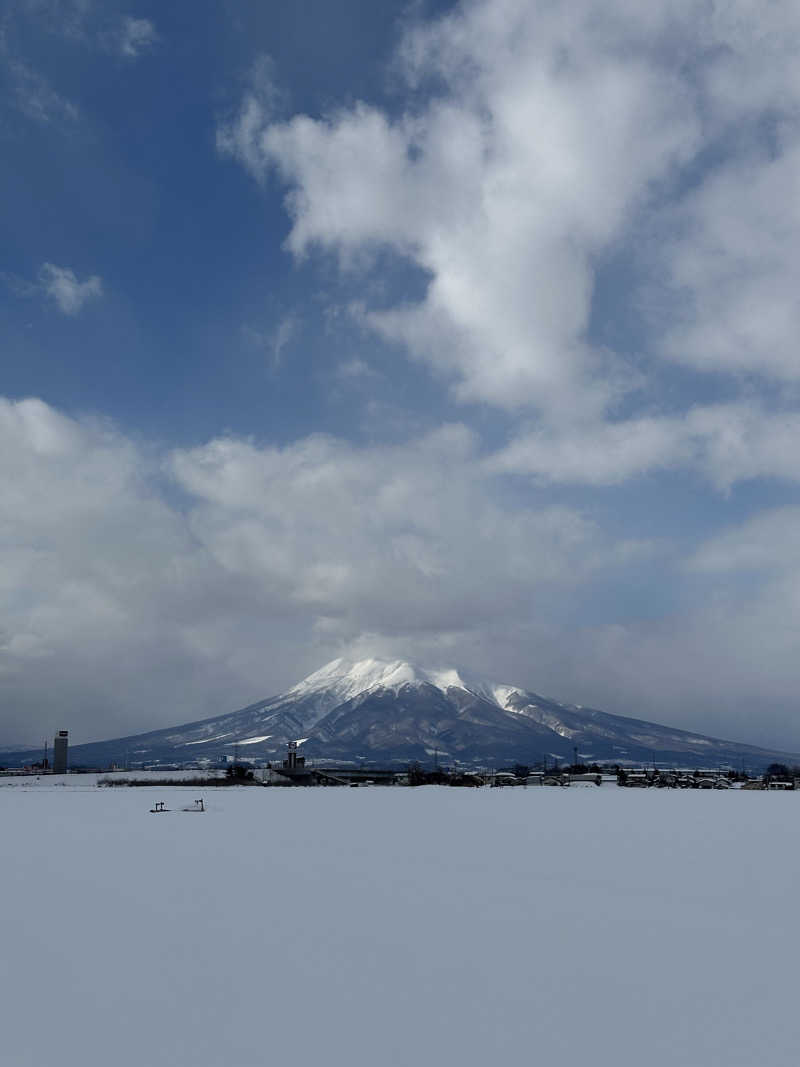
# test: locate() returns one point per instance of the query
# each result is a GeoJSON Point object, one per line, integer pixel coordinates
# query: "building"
{"type": "Point", "coordinates": [293, 762]}
{"type": "Point", "coordinates": [60, 746]}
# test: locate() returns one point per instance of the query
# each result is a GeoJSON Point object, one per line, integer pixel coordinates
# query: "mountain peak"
{"type": "Point", "coordinates": [348, 678]}
{"type": "Point", "coordinates": [393, 710]}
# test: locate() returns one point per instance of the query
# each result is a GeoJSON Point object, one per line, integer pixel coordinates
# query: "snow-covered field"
{"type": "Point", "coordinates": [91, 779]}
{"type": "Point", "coordinates": [398, 926]}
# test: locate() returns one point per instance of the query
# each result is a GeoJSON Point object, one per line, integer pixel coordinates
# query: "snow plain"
{"type": "Point", "coordinates": [398, 926]}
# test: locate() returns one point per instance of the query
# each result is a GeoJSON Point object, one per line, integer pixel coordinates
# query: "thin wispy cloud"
{"type": "Point", "coordinates": [32, 89]}
{"type": "Point", "coordinates": [92, 25]}
{"type": "Point", "coordinates": [273, 341]}
{"type": "Point", "coordinates": [61, 285]}
{"type": "Point", "coordinates": [137, 36]}
{"type": "Point", "coordinates": [238, 135]}
{"type": "Point", "coordinates": [35, 98]}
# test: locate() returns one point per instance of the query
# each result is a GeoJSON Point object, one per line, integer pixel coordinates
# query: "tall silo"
{"type": "Point", "coordinates": [60, 745]}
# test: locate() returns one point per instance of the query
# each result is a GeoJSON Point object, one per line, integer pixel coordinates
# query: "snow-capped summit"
{"type": "Point", "coordinates": [345, 679]}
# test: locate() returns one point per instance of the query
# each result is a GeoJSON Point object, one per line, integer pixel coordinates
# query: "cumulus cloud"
{"type": "Point", "coordinates": [502, 191]}
{"type": "Point", "coordinates": [114, 618]}
{"type": "Point", "coordinates": [82, 543]}
{"type": "Point", "coordinates": [537, 143]}
{"type": "Point", "coordinates": [141, 588]}
{"type": "Point", "coordinates": [401, 538]}
{"type": "Point", "coordinates": [123, 609]}
{"type": "Point", "coordinates": [61, 285]}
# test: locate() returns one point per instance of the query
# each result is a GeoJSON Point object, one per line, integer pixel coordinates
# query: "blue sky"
{"type": "Point", "coordinates": [196, 282]}
{"type": "Point", "coordinates": [457, 332]}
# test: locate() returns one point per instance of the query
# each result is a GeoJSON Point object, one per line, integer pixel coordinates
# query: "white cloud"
{"type": "Point", "coordinates": [137, 36]}
{"type": "Point", "coordinates": [272, 340]}
{"type": "Point", "coordinates": [85, 23]}
{"type": "Point", "coordinates": [503, 189]}
{"type": "Point", "coordinates": [62, 286]}
{"type": "Point", "coordinates": [400, 538]}
{"type": "Point", "coordinates": [768, 542]}
{"type": "Point", "coordinates": [36, 98]}
{"type": "Point", "coordinates": [732, 265]}
{"type": "Point", "coordinates": [66, 18]}
{"type": "Point", "coordinates": [140, 589]}
{"type": "Point", "coordinates": [538, 141]}
{"type": "Point", "coordinates": [283, 334]}
{"type": "Point", "coordinates": [355, 369]}
{"type": "Point", "coordinates": [728, 659]}
{"type": "Point", "coordinates": [237, 137]}
{"type": "Point", "coordinates": [726, 443]}
{"type": "Point", "coordinates": [139, 612]}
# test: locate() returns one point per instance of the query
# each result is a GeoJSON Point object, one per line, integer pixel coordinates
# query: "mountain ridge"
{"type": "Point", "coordinates": [378, 710]}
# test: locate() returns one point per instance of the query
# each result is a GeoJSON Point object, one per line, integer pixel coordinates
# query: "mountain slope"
{"type": "Point", "coordinates": [382, 711]}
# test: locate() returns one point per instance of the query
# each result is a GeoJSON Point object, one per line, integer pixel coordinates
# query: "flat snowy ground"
{"type": "Point", "coordinates": [398, 926]}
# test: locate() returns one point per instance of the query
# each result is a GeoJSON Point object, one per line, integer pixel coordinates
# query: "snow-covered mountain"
{"type": "Point", "coordinates": [393, 711]}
